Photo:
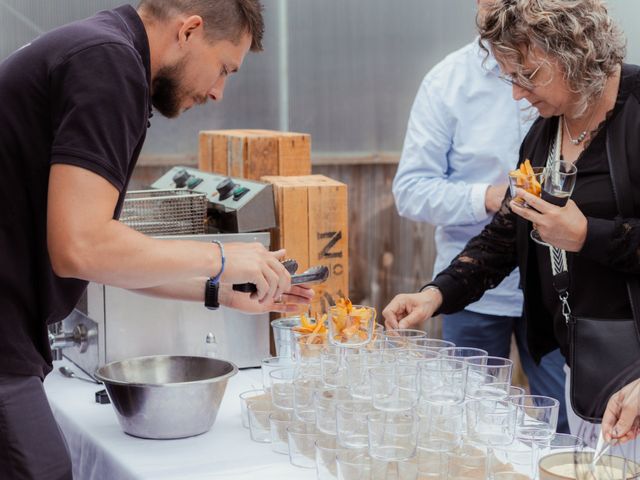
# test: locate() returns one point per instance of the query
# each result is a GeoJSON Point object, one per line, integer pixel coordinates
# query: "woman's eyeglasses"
{"type": "Point", "coordinates": [526, 82]}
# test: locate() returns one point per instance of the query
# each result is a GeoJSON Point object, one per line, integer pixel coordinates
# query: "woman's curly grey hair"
{"type": "Point", "coordinates": [578, 34]}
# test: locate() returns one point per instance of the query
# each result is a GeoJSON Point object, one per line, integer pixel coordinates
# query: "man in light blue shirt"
{"type": "Point", "coordinates": [463, 137]}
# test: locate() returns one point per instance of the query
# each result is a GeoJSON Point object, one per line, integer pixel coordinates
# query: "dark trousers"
{"type": "Point", "coordinates": [31, 444]}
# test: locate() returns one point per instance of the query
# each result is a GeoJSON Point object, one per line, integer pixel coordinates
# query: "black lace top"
{"type": "Point", "coordinates": [612, 249]}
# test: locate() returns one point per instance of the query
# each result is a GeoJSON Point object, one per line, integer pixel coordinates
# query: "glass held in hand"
{"type": "Point", "coordinates": [557, 186]}
{"type": "Point", "coordinates": [530, 182]}
{"type": "Point", "coordinates": [559, 181]}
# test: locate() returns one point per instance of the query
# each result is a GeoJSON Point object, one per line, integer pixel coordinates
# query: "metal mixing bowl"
{"type": "Point", "coordinates": [577, 465]}
{"type": "Point", "coordinates": [166, 396]}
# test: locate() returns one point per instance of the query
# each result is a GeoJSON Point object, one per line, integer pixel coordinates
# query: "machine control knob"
{"type": "Point", "coordinates": [180, 178]}
{"type": "Point", "coordinates": [225, 188]}
{"type": "Point", "coordinates": [239, 192]}
{"type": "Point", "coordinates": [193, 182]}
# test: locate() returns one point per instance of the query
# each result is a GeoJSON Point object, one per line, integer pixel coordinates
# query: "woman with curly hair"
{"type": "Point", "coordinates": [566, 58]}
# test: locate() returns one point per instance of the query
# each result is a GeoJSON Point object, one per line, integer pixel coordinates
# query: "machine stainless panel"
{"type": "Point", "coordinates": [130, 325]}
{"type": "Point", "coordinates": [236, 204]}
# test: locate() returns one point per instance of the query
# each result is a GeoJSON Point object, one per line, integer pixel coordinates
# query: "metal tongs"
{"type": "Point", "coordinates": [312, 276]}
{"type": "Point", "coordinates": [602, 446]}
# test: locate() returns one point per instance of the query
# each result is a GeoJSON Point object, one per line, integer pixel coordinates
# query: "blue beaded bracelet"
{"type": "Point", "coordinates": [216, 279]}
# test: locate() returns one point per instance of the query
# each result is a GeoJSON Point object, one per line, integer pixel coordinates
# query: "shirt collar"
{"type": "Point", "coordinates": [138, 32]}
{"type": "Point", "coordinates": [489, 63]}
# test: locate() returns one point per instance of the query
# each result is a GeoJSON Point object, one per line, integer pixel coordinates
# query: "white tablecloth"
{"type": "Point", "coordinates": [100, 450]}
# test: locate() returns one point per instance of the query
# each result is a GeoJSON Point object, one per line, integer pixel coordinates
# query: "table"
{"type": "Point", "coordinates": [101, 450]}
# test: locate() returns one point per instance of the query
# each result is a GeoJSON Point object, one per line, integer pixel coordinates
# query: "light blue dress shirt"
{"type": "Point", "coordinates": [464, 134]}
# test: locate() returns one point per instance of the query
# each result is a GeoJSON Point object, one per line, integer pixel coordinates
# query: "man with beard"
{"type": "Point", "coordinates": [75, 109]}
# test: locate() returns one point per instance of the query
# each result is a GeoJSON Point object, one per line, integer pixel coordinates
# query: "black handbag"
{"type": "Point", "coordinates": [604, 353]}
{"type": "Point", "coordinates": [604, 358]}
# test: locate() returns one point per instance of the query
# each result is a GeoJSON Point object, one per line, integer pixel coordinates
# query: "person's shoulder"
{"type": "Point", "coordinates": [631, 80]}
{"type": "Point", "coordinates": [462, 55]}
{"type": "Point", "coordinates": [455, 61]}
{"type": "Point", "coordinates": [101, 33]}
{"type": "Point", "coordinates": [456, 68]}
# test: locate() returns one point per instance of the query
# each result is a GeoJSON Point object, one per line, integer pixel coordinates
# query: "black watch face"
{"type": "Point", "coordinates": [211, 295]}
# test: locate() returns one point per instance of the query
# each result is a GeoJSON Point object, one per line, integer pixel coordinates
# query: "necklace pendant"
{"type": "Point", "coordinates": [581, 137]}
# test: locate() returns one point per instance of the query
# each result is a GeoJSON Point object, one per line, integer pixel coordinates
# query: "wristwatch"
{"type": "Point", "coordinates": [211, 294]}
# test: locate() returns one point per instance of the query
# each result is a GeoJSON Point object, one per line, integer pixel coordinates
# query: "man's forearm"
{"type": "Point", "coordinates": [85, 242]}
{"type": "Point", "coordinates": [187, 290]}
{"type": "Point", "coordinates": [124, 258]}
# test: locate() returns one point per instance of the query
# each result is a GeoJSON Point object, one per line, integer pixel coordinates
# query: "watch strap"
{"type": "Point", "coordinates": [211, 290]}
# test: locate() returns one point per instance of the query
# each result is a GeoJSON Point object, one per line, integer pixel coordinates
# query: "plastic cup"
{"type": "Point", "coordinates": [351, 423]}
{"type": "Point", "coordinates": [302, 440]}
{"type": "Point", "coordinates": [270, 364]}
{"type": "Point", "coordinates": [393, 436]}
{"type": "Point", "coordinates": [249, 397]}
{"type": "Point", "coordinates": [278, 423]}
{"type": "Point", "coordinates": [282, 388]}
{"type": "Point", "coordinates": [326, 452]}
{"type": "Point", "coordinates": [259, 426]}
{"type": "Point", "coordinates": [353, 329]}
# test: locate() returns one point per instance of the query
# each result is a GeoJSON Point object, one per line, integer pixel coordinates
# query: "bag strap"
{"type": "Point", "coordinates": [558, 257]}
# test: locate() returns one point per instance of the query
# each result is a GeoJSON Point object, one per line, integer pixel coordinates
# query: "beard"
{"type": "Point", "coordinates": [166, 91]}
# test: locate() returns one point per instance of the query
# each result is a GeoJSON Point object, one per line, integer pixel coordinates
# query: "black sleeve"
{"type": "Point", "coordinates": [614, 243]}
{"type": "Point", "coordinates": [99, 105]}
{"type": "Point", "coordinates": [485, 261]}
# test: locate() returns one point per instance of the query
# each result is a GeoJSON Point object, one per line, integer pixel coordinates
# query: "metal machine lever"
{"type": "Point", "coordinates": [77, 338]}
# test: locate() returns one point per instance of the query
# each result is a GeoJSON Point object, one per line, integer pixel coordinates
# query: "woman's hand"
{"type": "Point", "coordinates": [621, 420]}
{"type": "Point", "coordinates": [297, 298]}
{"type": "Point", "coordinates": [407, 310]}
{"type": "Point", "coordinates": [563, 227]}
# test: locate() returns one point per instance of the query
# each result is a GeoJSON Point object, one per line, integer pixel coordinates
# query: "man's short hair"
{"type": "Point", "coordinates": [223, 19]}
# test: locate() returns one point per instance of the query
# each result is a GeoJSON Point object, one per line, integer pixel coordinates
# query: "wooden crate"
{"type": "Point", "coordinates": [312, 215]}
{"type": "Point", "coordinates": [253, 154]}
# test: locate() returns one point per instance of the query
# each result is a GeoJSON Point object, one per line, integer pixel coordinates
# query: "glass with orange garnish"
{"type": "Point", "coordinates": [309, 338]}
{"type": "Point", "coordinates": [351, 325]}
{"type": "Point", "coordinates": [527, 178]}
